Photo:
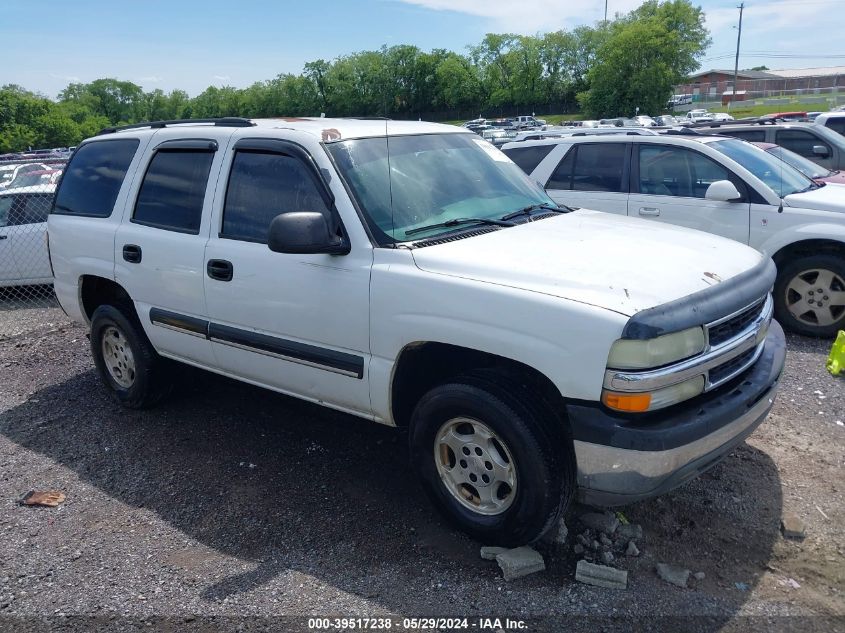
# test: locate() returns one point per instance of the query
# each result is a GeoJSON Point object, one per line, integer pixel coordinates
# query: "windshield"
{"type": "Point", "coordinates": [431, 178]}
{"type": "Point", "coordinates": [778, 175]}
{"type": "Point", "coordinates": [804, 165]}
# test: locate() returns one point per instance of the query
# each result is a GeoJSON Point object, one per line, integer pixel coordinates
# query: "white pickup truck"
{"type": "Point", "coordinates": [411, 274]}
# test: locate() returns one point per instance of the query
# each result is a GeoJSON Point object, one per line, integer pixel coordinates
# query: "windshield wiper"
{"type": "Point", "coordinates": [458, 222]}
{"type": "Point", "coordinates": [534, 207]}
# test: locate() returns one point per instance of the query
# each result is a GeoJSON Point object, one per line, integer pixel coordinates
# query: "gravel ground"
{"type": "Point", "coordinates": [229, 504]}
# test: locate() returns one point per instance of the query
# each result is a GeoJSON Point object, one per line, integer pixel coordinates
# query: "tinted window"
{"type": "Point", "coordinates": [754, 136]}
{"type": "Point", "coordinates": [93, 177]}
{"type": "Point", "coordinates": [528, 157]}
{"type": "Point", "coordinates": [595, 167]}
{"type": "Point", "coordinates": [676, 171]}
{"type": "Point", "coordinates": [562, 176]}
{"type": "Point", "coordinates": [173, 190]}
{"type": "Point", "coordinates": [837, 125]}
{"type": "Point", "coordinates": [261, 186]}
{"type": "Point", "coordinates": [800, 142]}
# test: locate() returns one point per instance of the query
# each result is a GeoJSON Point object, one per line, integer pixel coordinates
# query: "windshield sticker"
{"type": "Point", "coordinates": [492, 152]}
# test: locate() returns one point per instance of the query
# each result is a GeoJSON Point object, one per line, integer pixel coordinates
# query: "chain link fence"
{"type": "Point", "coordinates": [27, 187]}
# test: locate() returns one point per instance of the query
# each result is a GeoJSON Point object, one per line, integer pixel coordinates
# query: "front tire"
{"type": "Point", "coordinates": [127, 363]}
{"type": "Point", "coordinates": [492, 459]}
{"type": "Point", "coordinates": [809, 295]}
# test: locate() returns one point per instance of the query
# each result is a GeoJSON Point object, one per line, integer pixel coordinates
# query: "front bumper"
{"type": "Point", "coordinates": [623, 458]}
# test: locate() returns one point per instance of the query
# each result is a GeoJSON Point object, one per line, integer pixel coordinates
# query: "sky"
{"type": "Point", "coordinates": [191, 44]}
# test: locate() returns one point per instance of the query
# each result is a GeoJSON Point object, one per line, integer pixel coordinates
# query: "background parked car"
{"type": "Point", "coordinates": [498, 136]}
{"type": "Point", "coordinates": [804, 165]}
{"type": "Point", "coordinates": [818, 143]}
{"type": "Point", "coordinates": [698, 115]}
{"type": "Point", "coordinates": [833, 120]}
{"type": "Point", "coordinates": [23, 228]}
{"type": "Point", "coordinates": [8, 173]}
{"type": "Point", "coordinates": [715, 184]}
{"type": "Point", "coordinates": [667, 120]}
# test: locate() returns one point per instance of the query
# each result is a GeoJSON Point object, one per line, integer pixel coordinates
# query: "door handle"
{"type": "Point", "coordinates": [132, 253]}
{"type": "Point", "coordinates": [649, 211]}
{"type": "Point", "coordinates": [220, 269]}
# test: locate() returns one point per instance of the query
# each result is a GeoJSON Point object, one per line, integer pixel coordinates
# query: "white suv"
{"type": "Point", "coordinates": [409, 273]}
{"type": "Point", "coordinates": [718, 185]}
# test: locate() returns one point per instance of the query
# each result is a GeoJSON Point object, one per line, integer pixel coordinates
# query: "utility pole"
{"type": "Point", "coordinates": [605, 10]}
{"type": "Point", "coordinates": [736, 62]}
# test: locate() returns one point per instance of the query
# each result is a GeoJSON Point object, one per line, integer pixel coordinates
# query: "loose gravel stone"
{"type": "Point", "coordinates": [673, 574]}
{"type": "Point", "coordinates": [602, 522]}
{"type": "Point", "coordinates": [699, 575]}
{"type": "Point", "coordinates": [488, 552]}
{"type": "Point", "coordinates": [606, 558]}
{"type": "Point", "coordinates": [630, 531]}
{"type": "Point", "coordinates": [792, 527]}
{"type": "Point", "coordinates": [600, 575]}
{"type": "Point", "coordinates": [578, 549]}
{"type": "Point", "coordinates": [632, 549]}
{"type": "Point", "coordinates": [519, 562]}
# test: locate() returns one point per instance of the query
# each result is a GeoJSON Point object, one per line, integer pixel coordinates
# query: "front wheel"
{"type": "Point", "coordinates": [810, 295]}
{"type": "Point", "coordinates": [492, 462]}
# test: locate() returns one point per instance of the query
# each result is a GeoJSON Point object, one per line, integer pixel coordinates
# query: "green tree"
{"type": "Point", "coordinates": [643, 56]}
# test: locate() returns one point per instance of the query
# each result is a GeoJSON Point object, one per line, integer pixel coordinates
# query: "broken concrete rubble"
{"type": "Point", "coordinates": [602, 522]}
{"type": "Point", "coordinates": [673, 574]}
{"type": "Point", "coordinates": [489, 552]}
{"type": "Point", "coordinates": [519, 562]}
{"type": "Point", "coordinates": [601, 576]}
{"type": "Point", "coordinates": [792, 527]}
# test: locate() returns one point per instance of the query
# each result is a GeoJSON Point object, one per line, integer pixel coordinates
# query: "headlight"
{"type": "Point", "coordinates": [656, 352]}
{"type": "Point", "coordinates": [653, 400]}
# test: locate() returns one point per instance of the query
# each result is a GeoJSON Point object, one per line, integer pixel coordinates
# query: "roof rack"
{"type": "Point", "coordinates": [760, 120]}
{"type": "Point", "coordinates": [229, 121]}
{"type": "Point", "coordinates": [682, 131]}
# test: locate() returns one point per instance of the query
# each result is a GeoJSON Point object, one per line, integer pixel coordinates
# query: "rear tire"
{"type": "Point", "coordinates": [485, 426]}
{"type": "Point", "coordinates": [128, 365]}
{"type": "Point", "coordinates": [819, 279]}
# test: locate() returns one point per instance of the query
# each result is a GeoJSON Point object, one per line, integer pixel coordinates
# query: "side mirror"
{"type": "Point", "coordinates": [821, 150]}
{"type": "Point", "coordinates": [723, 191]}
{"type": "Point", "coordinates": [304, 232]}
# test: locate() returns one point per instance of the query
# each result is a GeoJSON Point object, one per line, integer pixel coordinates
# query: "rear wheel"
{"type": "Point", "coordinates": [810, 295]}
{"type": "Point", "coordinates": [126, 361]}
{"type": "Point", "coordinates": [492, 458]}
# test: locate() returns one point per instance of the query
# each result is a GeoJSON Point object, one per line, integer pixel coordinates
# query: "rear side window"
{"type": "Point", "coordinates": [800, 142]}
{"type": "Point", "coordinates": [173, 190]}
{"type": "Point", "coordinates": [263, 185]}
{"type": "Point", "coordinates": [93, 178]}
{"type": "Point", "coordinates": [591, 167]}
{"type": "Point", "coordinates": [527, 158]}
{"type": "Point", "coordinates": [837, 124]}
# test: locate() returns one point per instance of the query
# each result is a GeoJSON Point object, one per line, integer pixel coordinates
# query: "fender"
{"type": "Point", "coordinates": [815, 231]}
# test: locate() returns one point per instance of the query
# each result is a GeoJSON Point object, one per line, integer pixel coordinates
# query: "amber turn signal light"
{"type": "Point", "coordinates": [636, 402]}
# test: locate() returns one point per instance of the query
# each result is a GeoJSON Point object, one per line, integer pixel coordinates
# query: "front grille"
{"type": "Point", "coordinates": [727, 330]}
{"type": "Point", "coordinates": [725, 370]}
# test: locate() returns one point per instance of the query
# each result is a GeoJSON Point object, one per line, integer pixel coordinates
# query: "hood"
{"type": "Point", "coordinates": [614, 262]}
{"type": "Point", "coordinates": [831, 197]}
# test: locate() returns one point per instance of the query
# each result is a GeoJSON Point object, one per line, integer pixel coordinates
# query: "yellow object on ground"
{"type": "Point", "coordinates": [836, 360]}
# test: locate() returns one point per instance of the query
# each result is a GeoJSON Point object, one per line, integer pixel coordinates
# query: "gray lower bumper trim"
{"type": "Point", "coordinates": [614, 476]}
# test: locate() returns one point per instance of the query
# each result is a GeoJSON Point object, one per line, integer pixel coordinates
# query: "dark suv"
{"type": "Point", "coordinates": [816, 142]}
